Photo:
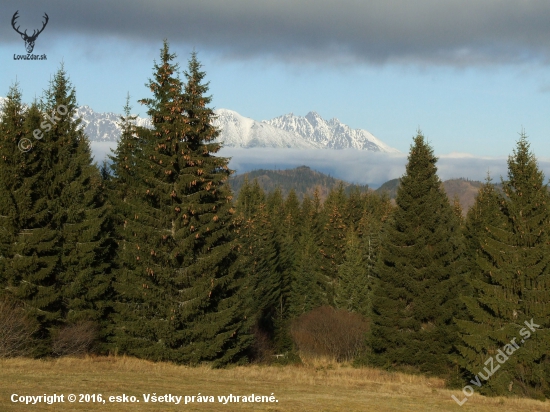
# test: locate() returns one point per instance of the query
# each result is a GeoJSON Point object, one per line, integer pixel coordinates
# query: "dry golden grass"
{"type": "Point", "coordinates": [318, 386]}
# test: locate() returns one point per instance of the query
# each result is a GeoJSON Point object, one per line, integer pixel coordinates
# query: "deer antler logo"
{"type": "Point", "coordinates": [29, 40]}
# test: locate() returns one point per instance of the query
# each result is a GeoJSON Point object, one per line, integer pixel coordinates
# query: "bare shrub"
{"type": "Point", "coordinates": [16, 330]}
{"type": "Point", "coordinates": [75, 339]}
{"type": "Point", "coordinates": [327, 332]}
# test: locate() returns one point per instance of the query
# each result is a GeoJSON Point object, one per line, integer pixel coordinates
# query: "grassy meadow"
{"type": "Point", "coordinates": [320, 386]}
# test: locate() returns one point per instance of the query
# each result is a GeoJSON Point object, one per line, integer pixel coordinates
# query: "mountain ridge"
{"type": "Point", "coordinates": [286, 131]}
{"type": "Point", "coordinates": [331, 134]}
{"type": "Point", "coordinates": [244, 132]}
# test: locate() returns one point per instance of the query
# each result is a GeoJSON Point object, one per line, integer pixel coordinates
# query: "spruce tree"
{"type": "Point", "coordinates": [251, 196]}
{"type": "Point", "coordinates": [58, 260]}
{"type": "Point", "coordinates": [353, 209]}
{"type": "Point", "coordinates": [11, 133]}
{"type": "Point", "coordinates": [79, 212]}
{"type": "Point", "coordinates": [146, 169]}
{"type": "Point", "coordinates": [283, 225]}
{"type": "Point", "coordinates": [29, 254]}
{"type": "Point", "coordinates": [30, 263]}
{"type": "Point", "coordinates": [353, 292]}
{"type": "Point", "coordinates": [260, 261]}
{"type": "Point", "coordinates": [124, 158]}
{"type": "Point", "coordinates": [485, 212]}
{"type": "Point", "coordinates": [289, 226]}
{"type": "Point", "coordinates": [214, 317]}
{"type": "Point", "coordinates": [333, 238]}
{"type": "Point", "coordinates": [510, 283]}
{"type": "Point", "coordinates": [419, 273]}
{"type": "Point", "coordinates": [308, 285]}
{"type": "Point", "coordinates": [181, 300]}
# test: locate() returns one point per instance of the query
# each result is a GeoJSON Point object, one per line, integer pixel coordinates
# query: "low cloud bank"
{"type": "Point", "coordinates": [365, 167]}
{"type": "Point", "coordinates": [100, 150]}
{"type": "Point", "coordinates": [353, 165]}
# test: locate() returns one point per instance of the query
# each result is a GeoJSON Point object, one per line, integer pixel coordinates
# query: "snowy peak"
{"type": "Point", "coordinates": [314, 118]}
{"type": "Point", "coordinates": [240, 131]}
{"type": "Point", "coordinates": [331, 134]}
{"type": "Point", "coordinates": [104, 127]}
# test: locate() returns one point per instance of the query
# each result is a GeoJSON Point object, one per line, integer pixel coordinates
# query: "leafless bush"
{"type": "Point", "coordinates": [75, 339]}
{"type": "Point", "coordinates": [327, 332]}
{"type": "Point", "coordinates": [16, 330]}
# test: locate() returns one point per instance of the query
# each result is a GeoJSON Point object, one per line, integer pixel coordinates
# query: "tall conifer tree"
{"type": "Point", "coordinates": [415, 296]}
{"type": "Point", "coordinates": [510, 282]}
{"type": "Point", "coordinates": [80, 215]}
{"type": "Point", "coordinates": [308, 285]}
{"type": "Point", "coordinates": [59, 265]}
{"type": "Point", "coordinates": [333, 238]}
{"type": "Point", "coordinates": [182, 301]}
{"type": "Point", "coordinates": [28, 259]}
{"type": "Point", "coordinates": [260, 260]}
{"type": "Point", "coordinates": [353, 291]}
{"type": "Point", "coordinates": [11, 132]}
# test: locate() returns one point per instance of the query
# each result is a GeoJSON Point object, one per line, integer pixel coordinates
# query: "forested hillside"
{"type": "Point", "coordinates": [155, 257]}
{"type": "Point", "coordinates": [303, 180]}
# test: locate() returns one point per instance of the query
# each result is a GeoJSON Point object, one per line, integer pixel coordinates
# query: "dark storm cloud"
{"type": "Point", "coordinates": [453, 32]}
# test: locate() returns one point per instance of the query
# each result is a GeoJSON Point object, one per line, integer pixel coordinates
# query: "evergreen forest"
{"type": "Point", "coordinates": [151, 255]}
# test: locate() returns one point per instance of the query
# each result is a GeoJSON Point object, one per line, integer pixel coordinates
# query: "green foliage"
{"type": "Point", "coordinates": [510, 281]}
{"type": "Point", "coordinates": [180, 290]}
{"type": "Point", "coordinates": [306, 283]}
{"type": "Point", "coordinates": [419, 272]}
{"type": "Point", "coordinates": [79, 213]}
{"type": "Point", "coordinates": [353, 292]}
{"type": "Point", "coordinates": [12, 131]}
{"type": "Point", "coordinates": [260, 260]}
{"type": "Point", "coordinates": [250, 197]}
{"type": "Point", "coordinates": [333, 238]}
{"type": "Point", "coordinates": [57, 264]}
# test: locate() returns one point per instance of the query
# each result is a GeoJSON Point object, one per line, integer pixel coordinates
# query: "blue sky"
{"type": "Point", "coordinates": [469, 74]}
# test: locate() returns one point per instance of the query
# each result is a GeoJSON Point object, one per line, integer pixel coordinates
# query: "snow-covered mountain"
{"type": "Point", "coordinates": [288, 131]}
{"type": "Point", "coordinates": [103, 127]}
{"type": "Point", "coordinates": [240, 131]}
{"type": "Point", "coordinates": [331, 134]}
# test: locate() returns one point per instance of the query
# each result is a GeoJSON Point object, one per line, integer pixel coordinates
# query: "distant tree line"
{"type": "Point", "coordinates": [152, 256]}
{"type": "Point", "coordinates": [302, 179]}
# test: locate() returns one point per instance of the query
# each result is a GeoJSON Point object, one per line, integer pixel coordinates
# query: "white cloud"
{"type": "Point", "coordinates": [354, 165]}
